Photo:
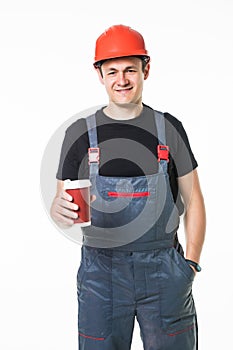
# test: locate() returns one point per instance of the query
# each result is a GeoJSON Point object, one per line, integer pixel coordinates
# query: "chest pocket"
{"type": "Point", "coordinates": [119, 202]}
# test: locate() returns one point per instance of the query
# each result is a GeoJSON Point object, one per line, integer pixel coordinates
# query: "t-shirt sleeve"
{"type": "Point", "coordinates": [72, 163]}
{"type": "Point", "coordinates": [181, 152]}
{"type": "Point", "coordinates": [185, 160]}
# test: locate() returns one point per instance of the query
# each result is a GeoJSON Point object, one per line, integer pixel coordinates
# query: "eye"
{"type": "Point", "coordinates": [131, 70]}
{"type": "Point", "coordinates": [111, 73]}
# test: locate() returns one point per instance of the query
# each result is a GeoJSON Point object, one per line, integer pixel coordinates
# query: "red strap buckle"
{"type": "Point", "coordinates": [93, 155]}
{"type": "Point", "coordinates": [163, 153]}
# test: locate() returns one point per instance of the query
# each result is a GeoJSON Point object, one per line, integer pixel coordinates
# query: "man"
{"type": "Point", "coordinates": [143, 175]}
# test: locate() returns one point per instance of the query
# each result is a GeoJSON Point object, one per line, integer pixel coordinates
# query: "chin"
{"type": "Point", "coordinates": [124, 103]}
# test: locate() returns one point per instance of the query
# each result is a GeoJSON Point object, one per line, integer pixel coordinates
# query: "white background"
{"type": "Point", "coordinates": [46, 77]}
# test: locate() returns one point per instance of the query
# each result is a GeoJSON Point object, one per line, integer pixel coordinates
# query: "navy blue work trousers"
{"type": "Point", "coordinates": [153, 287]}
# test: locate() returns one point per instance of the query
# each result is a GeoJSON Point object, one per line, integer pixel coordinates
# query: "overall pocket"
{"type": "Point", "coordinates": [122, 207]}
{"type": "Point", "coordinates": [88, 257]}
{"type": "Point", "coordinates": [95, 296]}
{"type": "Point", "coordinates": [177, 307]}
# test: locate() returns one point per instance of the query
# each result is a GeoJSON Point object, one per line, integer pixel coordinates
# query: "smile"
{"type": "Point", "coordinates": [124, 90]}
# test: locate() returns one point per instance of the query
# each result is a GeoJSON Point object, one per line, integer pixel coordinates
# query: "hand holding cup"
{"type": "Point", "coordinates": [79, 190]}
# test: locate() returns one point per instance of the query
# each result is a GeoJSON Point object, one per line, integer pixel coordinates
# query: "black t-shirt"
{"type": "Point", "coordinates": [127, 148]}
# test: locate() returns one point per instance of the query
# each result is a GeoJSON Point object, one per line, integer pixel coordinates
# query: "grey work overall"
{"type": "Point", "coordinates": [144, 277]}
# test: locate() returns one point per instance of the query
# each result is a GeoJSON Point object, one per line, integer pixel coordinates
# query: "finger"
{"type": "Point", "coordinates": [66, 204]}
{"type": "Point", "coordinates": [66, 196]}
{"type": "Point", "coordinates": [67, 213]}
{"type": "Point", "coordinates": [93, 198]}
{"type": "Point", "coordinates": [193, 269]}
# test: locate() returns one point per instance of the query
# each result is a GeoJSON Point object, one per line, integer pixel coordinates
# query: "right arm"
{"type": "Point", "coordinates": [74, 148]}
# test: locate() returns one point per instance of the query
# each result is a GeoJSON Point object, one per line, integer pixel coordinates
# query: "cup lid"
{"type": "Point", "coordinates": [72, 184]}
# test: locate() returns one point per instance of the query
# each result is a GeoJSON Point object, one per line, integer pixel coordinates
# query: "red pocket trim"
{"type": "Point", "coordinates": [128, 194]}
{"type": "Point", "coordinates": [90, 337]}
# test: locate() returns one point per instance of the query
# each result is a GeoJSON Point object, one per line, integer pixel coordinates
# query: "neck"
{"type": "Point", "coordinates": [123, 111]}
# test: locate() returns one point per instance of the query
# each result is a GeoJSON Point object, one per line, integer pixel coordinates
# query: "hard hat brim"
{"type": "Point", "coordinates": [143, 57]}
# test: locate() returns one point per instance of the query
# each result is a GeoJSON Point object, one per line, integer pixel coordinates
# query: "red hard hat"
{"type": "Point", "coordinates": [119, 41]}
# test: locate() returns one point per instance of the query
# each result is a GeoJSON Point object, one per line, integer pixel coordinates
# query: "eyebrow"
{"type": "Point", "coordinates": [128, 67]}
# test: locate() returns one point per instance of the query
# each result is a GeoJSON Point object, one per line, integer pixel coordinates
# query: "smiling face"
{"type": "Point", "coordinates": [123, 79]}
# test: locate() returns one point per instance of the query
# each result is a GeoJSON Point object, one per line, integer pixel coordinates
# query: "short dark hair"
{"type": "Point", "coordinates": [144, 59]}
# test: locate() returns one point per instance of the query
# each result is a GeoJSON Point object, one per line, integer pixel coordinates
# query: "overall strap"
{"type": "Point", "coordinates": [93, 151]}
{"type": "Point", "coordinates": [162, 147]}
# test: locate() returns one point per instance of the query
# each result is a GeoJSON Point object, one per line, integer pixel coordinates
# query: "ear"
{"type": "Point", "coordinates": [100, 75]}
{"type": "Point", "coordinates": [146, 71]}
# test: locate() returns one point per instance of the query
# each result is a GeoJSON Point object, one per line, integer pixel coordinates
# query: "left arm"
{"type": "Point", "coordinates": [195, 216]}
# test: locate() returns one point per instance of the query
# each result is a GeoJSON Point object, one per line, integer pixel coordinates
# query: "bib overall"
{"type": "Point", "coordinates": [131, 267]}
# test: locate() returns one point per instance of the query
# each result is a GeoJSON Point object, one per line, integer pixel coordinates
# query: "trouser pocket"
{"type": "Point", "coordinates": [94, 295]}
{"type": "Point", "coordinates": [177, 307]}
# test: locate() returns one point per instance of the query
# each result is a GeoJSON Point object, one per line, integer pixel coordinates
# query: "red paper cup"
{"type": "Point", "coordinates": [80, 192]}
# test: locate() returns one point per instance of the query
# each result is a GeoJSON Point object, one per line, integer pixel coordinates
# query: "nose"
{"type": "Point", "coordinates": [121, 79]}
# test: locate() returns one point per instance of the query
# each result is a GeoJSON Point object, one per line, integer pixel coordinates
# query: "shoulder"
{"type": "Point", "coordinates": [168, 117]}
{"type": "Point", "coordinates": [172, 120]}
{"type": "Point", "coordinates": [172, 123]}
{"type": "Point", "coordinates": [76, 130]}
{"type": "Point", "coordinates": [175, 132]}
{"type": "Point", "coordinates": [79, 124]}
